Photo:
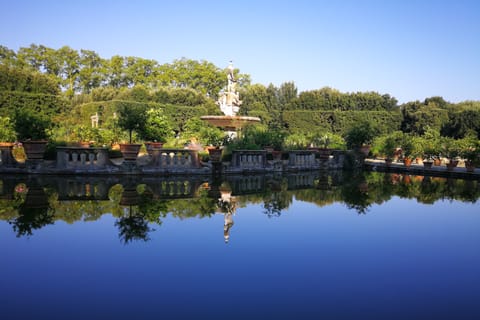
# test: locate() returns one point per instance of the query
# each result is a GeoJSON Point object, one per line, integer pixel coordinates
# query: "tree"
{"type": "Point", "coordinates": [132, 117]}
{"type": "Point", "coordinates": [157, 127]}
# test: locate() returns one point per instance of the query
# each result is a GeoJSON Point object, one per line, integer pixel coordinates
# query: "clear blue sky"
{"type": "Point", "coordinates": [411, 49]}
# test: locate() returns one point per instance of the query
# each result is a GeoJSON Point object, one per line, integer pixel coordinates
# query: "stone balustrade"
{"type": "Point", "coordinates": [249, 159]}
{"type": "Point", "coordinates": [302, 159]}
{"type": "Point", "coordinates": [81, 157]}
{"type": "Point", "coordinates": [175, 159]}
{"type": "Point", "coordinates": [6, 157]}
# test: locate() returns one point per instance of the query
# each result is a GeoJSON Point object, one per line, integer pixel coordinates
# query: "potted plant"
{"type": "Point", "coordinates": [7, 137]}
{"type": "Point", "coordinates": [388, 147]}
{"type": "Point", "coordinates": [320, 143]}
{"type": "Point", "coordinates": [407, 149]}
{"type": "Point", "coordinates": [31, 128]}
{"type": "Point", "coordinates": [360, 137]}
{"type": "Point", "coordinates": [214, 138]}
{"type": "Point", "coordinates": [156, 131]}
{"type": "Point", "coordinates": [451, 149]}
{"type": "Point", "coordinates": [132, 117]}
{"type": "Point", "coordinates": [472, 158]}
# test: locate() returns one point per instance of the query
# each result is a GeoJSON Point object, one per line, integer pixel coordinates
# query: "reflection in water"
{"type": "Point", "coordinates": [139, 203]}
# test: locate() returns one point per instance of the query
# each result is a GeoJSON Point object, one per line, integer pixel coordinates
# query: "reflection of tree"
{"type": "Point", "coordinates": [276, 198]}
{"type": "Point", "coordinates": [132, 227]}
{"type": "Point", "coordinates": [34, 213]}
{"type": "Point", "coordinates": [356, 193]}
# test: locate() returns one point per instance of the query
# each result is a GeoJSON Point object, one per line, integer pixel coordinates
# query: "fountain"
{"type": "Point", "coordinates": [229, 102]}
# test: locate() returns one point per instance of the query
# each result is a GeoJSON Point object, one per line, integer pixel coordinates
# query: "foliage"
{"type": "Point", "coordinates": [132, 117]}
{"type": "Point", "coordinates": [339, 122]}
{"type": "Point", "coordinates": [386, 145]}
{"type": "Point", "coordinates": [30, 125]}
{"type": "Point", "coordinates": [22, 80]}
{"type": "Point", "coordinates": [7, 130]}
{"type": "Point", "coordinates": [157, 127]}
{"type": "Point", "coordinates": [417, 115]}
{"type": "Point", "coordinates": [41, 103]}
{"type": "Point", "coordinates": [360, 134]}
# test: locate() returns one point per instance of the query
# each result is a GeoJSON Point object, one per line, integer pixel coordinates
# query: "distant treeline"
{"type": "Point", "coordinates": [62, 80]}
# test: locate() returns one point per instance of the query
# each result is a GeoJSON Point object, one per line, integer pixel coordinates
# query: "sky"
{"type": "Point", "coordinates": [410, 49]}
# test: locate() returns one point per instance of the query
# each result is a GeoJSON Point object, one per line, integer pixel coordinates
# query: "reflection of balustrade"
{"type": "Point", "coordinates": [303, 159]}
{"type": "Point", "coordinates": [174, 189]}
{"type": "Point", "coordinates": [249, 159]}
{"type": "Point", "coordinates": [82, 190]}
{"type": "Point", "coordinates": [246, 184]}
{"type": "Point", "coordinates": [175, 158]}
{"type": "Point", "coordinates": [301, 181]}
{"type": "Point", "coordinates": [74, 157]}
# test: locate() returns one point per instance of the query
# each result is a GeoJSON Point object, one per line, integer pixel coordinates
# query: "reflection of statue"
{"type": "Point", "coordinates": [227, 224]}
{"type": "Point", "coordinates": [229, 101]}
{"type": "Point", "coordinates": [227, 205]}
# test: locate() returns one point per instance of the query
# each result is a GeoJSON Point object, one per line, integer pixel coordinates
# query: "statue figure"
{"type": "Point", "coordinates": [229, 100]}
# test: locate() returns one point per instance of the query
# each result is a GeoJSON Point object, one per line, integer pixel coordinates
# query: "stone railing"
{"type": "Point", "coordinates": [302, 159]}
{"type": "Point", "coordinates": [249, 159]}
{"type": "Point", "coordinates": [6, 157]}
{"type": "Point", "coordinates": [79, 157]}
{"type": "Point", "coordinates": [175, 159]}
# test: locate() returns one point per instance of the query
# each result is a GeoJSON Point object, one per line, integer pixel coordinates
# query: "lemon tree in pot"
{"type": "Point", "coordinates": [132, 117]}
{"type": "Point", "coordinates": [31, 128]}
{"type": "Point", "coordinates": [157, 129]}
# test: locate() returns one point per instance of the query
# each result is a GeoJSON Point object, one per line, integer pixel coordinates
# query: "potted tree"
{"type": "Point", "coordinates": [7, 137]}
{"type": "Point", "coordinates": [470, 151]}
{"type": "Point", "coordinates": [132, 117]}
{"type": "Point", "coordinates": [472, 158]}
{"type": "Point", "coordinates": [360, 137]}
{"type": "Point", "coordinates": [31, 128]}
{"type": "Point", "coordinates": [387, 147]}
{"type": "Point", "coordinates": [320, 143]}
{"type": "Point", "coordinates": [214, 138]}
{"type": "Point", "coordinates": [157, 130]}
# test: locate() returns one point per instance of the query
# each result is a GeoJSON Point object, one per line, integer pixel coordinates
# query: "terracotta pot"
{"type": "Point", "coordinates": [407, 162]}
{"type": "Point", "coordinates": [130, 151]}
{"type": "Point", "coordinates": [452, 164]}
{"type": "Point", "coordinates": [427, 164]}
{"type": "Point", "coordinates": [152, 146]}
{"type": "Point", "coordinates": [365, 150]}
{"type": "Point", "coordinates": [34, 150]}
{"type": "Point", "coordinates": [437, 162]}
{"type": "Point", "coordinates": [277, 155]}
{"type": "Point", "coordinates": [215, 154]}
{"type": "Point", "coordinates": [469, 166]}
{"type": "Point", "coordinates": [324, 153]}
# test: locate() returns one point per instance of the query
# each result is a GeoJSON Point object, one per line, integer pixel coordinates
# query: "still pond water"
{"type": "Point", "coordinates": [304, 246]}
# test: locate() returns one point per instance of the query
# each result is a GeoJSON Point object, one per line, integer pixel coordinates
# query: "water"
{"type": "Point", "coordinates": [304, 246]}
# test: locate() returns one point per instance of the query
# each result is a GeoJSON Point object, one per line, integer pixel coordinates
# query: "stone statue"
{"type": "Point", "coordinates": [229, 100]}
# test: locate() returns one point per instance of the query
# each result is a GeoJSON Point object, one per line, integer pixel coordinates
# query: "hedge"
{"type": "Point", "coordinates": [39, 102]}
{"type": "Point", "coordinates": [178, 115]}
{"type": "Point", "coordinates": [304, 121]}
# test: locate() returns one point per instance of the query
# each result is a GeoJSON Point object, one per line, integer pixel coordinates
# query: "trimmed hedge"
{"type": "Point", "coordinates": [177, 115]}
{"type": "Point", "coordinates": [39, 102]}
{"type": "Point", "coordinates": [300, 121]}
